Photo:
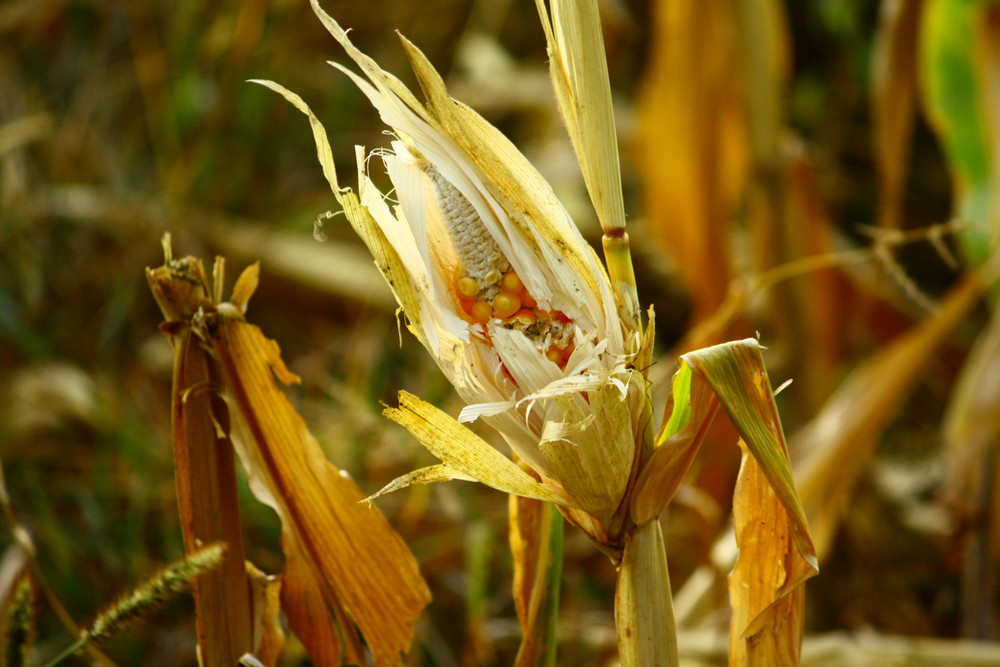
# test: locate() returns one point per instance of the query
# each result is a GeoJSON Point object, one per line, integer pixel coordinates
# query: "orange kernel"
{"type": "Point", "coordinates": [505, 305]}
{"type": "Point", "coordinates": [481, 312]}
{"type": "Point", "coordinates": [467, 287]}
{"type": "Point", "coordinates": [511, 283]}
{"type": "Point", "coordinates": [526, 300]}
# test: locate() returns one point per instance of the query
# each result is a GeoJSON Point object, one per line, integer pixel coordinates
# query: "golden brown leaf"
{"type": "Point", "coordinates": [836, 446]}
{"type": "Point", "coordinates": [354, 558]}
{"type": "Point", "coordinates": [765, 586]}
{"type": "Point", "coordinates": [894, 84]}
{"type": "Point", "coordinates": [694, 147]}
{"type": "Point", "coordinates": [205, 472]}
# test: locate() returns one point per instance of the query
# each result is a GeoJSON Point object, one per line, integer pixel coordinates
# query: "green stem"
{"type": "Point", "coordinates": [69, 650]}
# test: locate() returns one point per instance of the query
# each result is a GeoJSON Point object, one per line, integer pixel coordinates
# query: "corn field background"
{"type": "Point", "coordinates": [817, 173]}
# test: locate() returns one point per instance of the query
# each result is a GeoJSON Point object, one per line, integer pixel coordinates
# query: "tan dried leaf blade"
{"type": "Point", "coordinates": [764, 589]}
{"type": "Point", "coordinates": [737, 375]}
{"type": "Point", "coordinates": [205, 472]}
{"type": "Point", "coordinates": [357, 564]}
{"type": "Point", "coordinates": [777, 552]}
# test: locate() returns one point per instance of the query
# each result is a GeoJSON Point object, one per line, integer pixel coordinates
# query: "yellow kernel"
{"type": "Point", "coordinates": [555, 355]}
{"type": "Point", "coordinates": [467, 287]}
{"type": "Point", "coordinates": [481, 312]}
{"type": "Point", "coordinates": [511, 283]}
{"type": "Point", "coordinates": [505, 305]}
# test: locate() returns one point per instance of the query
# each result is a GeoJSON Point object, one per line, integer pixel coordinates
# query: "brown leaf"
{"type": "Point", "coordinates": [836, 447]}
{"type": "Point", "coordinates": [536, 550]}
{"type": "Point", "coordinates": [765, 586]}
{"type": "Point", "coordinates": [694, 145]}
{"type": "Point", "coordinates": [318, 626]}
{"type": "Point", "coordinates": [205, 473]}
{"type": "Point", "coordinates": [358, 563]}
{"type": "Point", "coordinates": [972, 423]}
{"type": "Point", "coordinates": [894, 83]}
{"type": "Point", "coordinates": [268, 635]}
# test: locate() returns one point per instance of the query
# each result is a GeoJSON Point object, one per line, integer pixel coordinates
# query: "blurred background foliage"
{"type": "Point", "coordinates": [791, 169]}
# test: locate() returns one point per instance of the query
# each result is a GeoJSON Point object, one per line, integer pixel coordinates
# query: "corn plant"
{"type": "Point", "coordinates": [547, 346]}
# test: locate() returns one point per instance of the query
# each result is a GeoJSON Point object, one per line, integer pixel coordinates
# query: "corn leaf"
{"type": "Point", "coordinates": [693, 156]}
{"type": "Point", "coordinates": [339, 549]}
{"type": "Point", "coordinates": [268, 633]}
{"type": "Point", "coordinates": [536, 545]}
{"type": "Point", "coordinates": [894, 82]}
{"type": "Point", "coordinates": [694, 407]}
{"type": "Point", "coordinates": [324, 629]}
{"type": "Point", "coordinates": [836, 446]}
{"type": "Point", "coordinates": [959, 61]}
{"type": "Point", "coordinates": [764, 590]}
{"type": "Point", "coordinates": [738, 377]}
{"type": "Point", "coordinates": [205, 472]}
{"type": "Point", "coordinates": [972, 422]}
{"type": "Point", "coordinates": [463, 451]}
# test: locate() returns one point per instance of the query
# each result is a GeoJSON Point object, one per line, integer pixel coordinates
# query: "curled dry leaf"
{"type": "Point", "coordinates": [346, 567]}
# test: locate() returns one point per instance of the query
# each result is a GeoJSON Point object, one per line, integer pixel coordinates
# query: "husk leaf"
{"type": "Point", "coordinates": [462, 450]}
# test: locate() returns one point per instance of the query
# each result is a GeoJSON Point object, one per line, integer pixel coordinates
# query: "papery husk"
{"type": "Point", "coordinates": [465, 453]}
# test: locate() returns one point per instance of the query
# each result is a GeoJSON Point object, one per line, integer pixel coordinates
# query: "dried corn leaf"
{"type": "Point", "coordinates": [348, 551]}
{"type": "Point", "coordinates": [693, 153]}
{"type": "Point", "coordinates": [536, 543]}
{"type": "Point", "coordinates": [463, 451]}
{"type": "Point", "coordinates": [324, 629]}
{"type": "Point", "coordinates": [836, 446]}
{"type": "Point", "coordinates": [972, 423]}
{"type": "Point", "coordinates": [268, 634]}
{"type": "Point", "coordinates": [694, 407]}
{"type": "Point", "coordinates": [644, 617]}
{"type": "Point", "coordinates": [738, 377]}
{"type": "Point", "coordinates": [894, 80]}
{"type": "Point", "coordinates": [204, 470]}
{"type": "Point", "coordinates": [776, 552]}
{"type": "Point", "coordinates": [764, 590]}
